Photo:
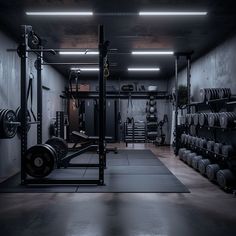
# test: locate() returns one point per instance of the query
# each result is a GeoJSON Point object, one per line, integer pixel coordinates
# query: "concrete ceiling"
{"type": "Point", "coordinates": [127, 31]}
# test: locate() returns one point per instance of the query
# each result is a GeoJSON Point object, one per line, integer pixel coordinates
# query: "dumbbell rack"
{"type": "Point", "coordinates": [135, 132]}
{"type": "Point", "coordinates": [214, 106]}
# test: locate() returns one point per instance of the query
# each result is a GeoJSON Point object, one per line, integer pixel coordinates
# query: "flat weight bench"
{"type": "Point", "coordinates": [91, 140]}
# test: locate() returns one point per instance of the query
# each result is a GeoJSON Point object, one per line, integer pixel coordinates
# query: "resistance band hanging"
{"type": "Point", "coordinates": [75, 101]}
{"type": "Point", "coordinates": [30, 93]}
{"type": "Point", "coordinates": [130, 118]}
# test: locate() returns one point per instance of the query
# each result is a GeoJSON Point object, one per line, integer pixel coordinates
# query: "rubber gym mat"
{"type": "Point", "coordinates": [137, 184]}
{"type": "Point", "coordinates": [133, 171]}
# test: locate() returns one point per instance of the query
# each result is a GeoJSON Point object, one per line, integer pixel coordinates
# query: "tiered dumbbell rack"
{"type": "Point", "coordinates": [214, 106]}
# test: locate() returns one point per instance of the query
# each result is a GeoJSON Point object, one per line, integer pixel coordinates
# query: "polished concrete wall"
{"type": "Point", "coordinates": [10, 99]}
{"type": "Point", "coordinates": [216, 69]}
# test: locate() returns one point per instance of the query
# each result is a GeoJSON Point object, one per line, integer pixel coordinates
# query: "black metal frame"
{"type": "Point", "coordinates": [23, 51]}
{"type": "Point", "coordinates": [178, 130]}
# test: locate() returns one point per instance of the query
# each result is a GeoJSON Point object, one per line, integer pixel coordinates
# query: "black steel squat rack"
{"type": "Point", "coordinates": [23, 51]}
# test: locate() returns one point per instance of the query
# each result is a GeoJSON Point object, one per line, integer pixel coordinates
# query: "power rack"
{"type": "Point", "coordinates": [23, 51]}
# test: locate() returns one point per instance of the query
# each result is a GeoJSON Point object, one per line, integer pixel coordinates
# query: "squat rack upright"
{"type": "Point", "coordinates": [187, 56]}
{"type": "Point", "coordinates": [23, 51]}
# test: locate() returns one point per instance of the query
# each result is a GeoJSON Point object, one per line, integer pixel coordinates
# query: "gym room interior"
{"type": "Point", "coordinates": [117, 118]}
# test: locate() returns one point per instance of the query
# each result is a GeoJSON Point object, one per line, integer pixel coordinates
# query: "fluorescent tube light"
{"type": "Point", "coordinates": [88, 13]}
{"type": "Point", "coordinates": [85, 69]}
{"type": "Point", "coordinates": [143, 13]}
{"type": "Point", "coordinates": [79, 53]}
{"type": "Point", "coordinates": [152, 53]}
{"type": "Point", "coordinates": [143, 69]}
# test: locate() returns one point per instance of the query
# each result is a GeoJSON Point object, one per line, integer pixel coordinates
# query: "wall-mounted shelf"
{"type": "Point", "coordinates": [117, 94]}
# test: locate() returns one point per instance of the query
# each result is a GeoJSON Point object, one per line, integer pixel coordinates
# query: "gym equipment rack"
{"type": "Point", "coordinates": [23, 52]}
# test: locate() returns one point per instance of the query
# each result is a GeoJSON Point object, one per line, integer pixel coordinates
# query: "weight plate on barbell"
{"type": "Point", "coordinates": [39, 161]}
{"type": "Point", "coordinates": [8, 130]}
{"type": "Point", "coordinates": [19, 118]}
{"type": "Point", "coordinates": [60, 145]}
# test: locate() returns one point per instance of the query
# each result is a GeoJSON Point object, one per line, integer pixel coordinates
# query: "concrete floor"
{"type": "Point", "coordinates": [207, 210]}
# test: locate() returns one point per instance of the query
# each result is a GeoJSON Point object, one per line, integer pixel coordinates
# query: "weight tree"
{"type": "Point", "coordinates": [23, 51]}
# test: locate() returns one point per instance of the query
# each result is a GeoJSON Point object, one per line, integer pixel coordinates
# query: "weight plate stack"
{"type": "Point", "coordinates": [40, 161]}
{"type": "Point", "coordinates": [60, 145]}
{"type": "Point", "coordinates": [195, 161]}
{"type": "Point", "coordinates": [184, 156]}
{"type": "Point", "coordinates": [7, 130]}
{"type": "Point", "coordinates": [211, 171]}
{"type": "Point", "coordinates": [203, 119]}
{"type": "Point", "coordinates": [190, 158]}
{"type": "Point", "coordinates": [227, 119]}
{"type": "Point", "coordinates": [202, 165]}
{"type": "Point", "coordinates": [225, 178]}
{"type": "Point", "coordinates": [225, 93]}
{"type": "Point", "coordinates": [218, 148]}
{"type": "Point", "coordinates": [19, 118]}
{"type": "Point", "coordinates": [213, 119]}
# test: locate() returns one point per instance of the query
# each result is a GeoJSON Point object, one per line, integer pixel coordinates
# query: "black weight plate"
{"type": "Point", "coordinates": [2, 114]}
{"type": "Point", "coordinates": [39, 161]}
{"type": "Point", "coordinates": [60, 145]}
{"type": "Point", "coordinates": [8, 130]}
{"type": "Point", "coordinates": [18, 117]}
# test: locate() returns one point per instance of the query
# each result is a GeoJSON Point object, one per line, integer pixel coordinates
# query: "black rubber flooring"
{"type": "Point", "coordinates": [129, 171]}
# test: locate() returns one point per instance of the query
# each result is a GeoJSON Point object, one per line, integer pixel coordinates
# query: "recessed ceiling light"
{"type": "Point", "coordinates": [78, 53]}
{"type": "Point", "coordinates": [85, 69]}
{"type": "Point", "coordinates": [152, 53]}
{"type": "Point", "coordinates": [143, 69]}
{"type": "Point", "coordinates": [146, 13]}
{"type": "Point", "coordinates": [45, 13]}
